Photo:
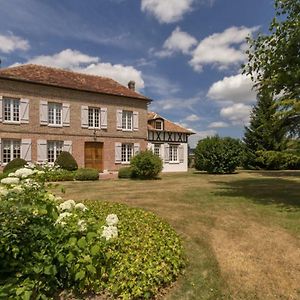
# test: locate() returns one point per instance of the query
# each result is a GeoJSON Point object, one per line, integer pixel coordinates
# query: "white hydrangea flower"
{"type": "Point", "coordinates": [112, 220]}
{"type": "Point", "coordinates": [3, 191]}
{"type": "Point", "coordinates": [24, 172]}
{"type": "Point", "coordinates": [40, 172]}
{"type": "Point", "coordinates": [51, 197]}
{"type": "Point", "coordinates": [12, 175]}
{"type": "Point", "coordinates": [17, 189]}
{"type": "Point", "coordinates": [82, 225]}
{"type": "Point", "coordinates": [67, 205]}
{"type": "Point", "coordinates": [10, 180]}
{"type": "Point", "coordinates": [109, 232]}
{"type": "Point", "coordinates": [62, 216]}
{"type": "Point", "coordinates": [81, 206]}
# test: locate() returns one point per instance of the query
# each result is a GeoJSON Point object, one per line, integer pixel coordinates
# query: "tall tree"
{"type": "Point", "coordinates": [274, 62]}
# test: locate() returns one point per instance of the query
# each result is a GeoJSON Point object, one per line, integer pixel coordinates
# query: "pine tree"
{"type": "Point", "coordinates": [265, 131]}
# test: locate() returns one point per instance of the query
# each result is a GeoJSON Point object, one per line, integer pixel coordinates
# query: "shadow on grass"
{"type": "Point", "coordinates": [266, 191]}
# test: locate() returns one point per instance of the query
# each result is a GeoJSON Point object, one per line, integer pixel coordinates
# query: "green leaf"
{"type": "Point", "coordinates": [80, 275]}
{"type": "Point", "coordinates": [81, 243]}
{"type": "Point", "coordinates": [95, 250]}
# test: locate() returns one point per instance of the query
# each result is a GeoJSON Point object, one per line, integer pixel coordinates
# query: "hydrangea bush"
{"type": "Point", "coordinates": [48, 245]}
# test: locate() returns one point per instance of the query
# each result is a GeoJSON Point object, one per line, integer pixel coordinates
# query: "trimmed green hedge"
{"type": "Point", "coordinates": [66, 161]}
{"type": "Point", "coordinates": [86, 174]}
{"type": "Point", "coordinates": [14, 165]}
{"type": "Point", "coordinates": [125, 172]}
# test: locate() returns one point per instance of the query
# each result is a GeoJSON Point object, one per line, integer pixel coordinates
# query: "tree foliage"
{"type": "Point", "coordinates": [274, 62]}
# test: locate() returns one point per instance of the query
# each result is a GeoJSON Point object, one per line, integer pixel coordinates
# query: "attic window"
{"type": "Point", "coordinates": [159, 125]}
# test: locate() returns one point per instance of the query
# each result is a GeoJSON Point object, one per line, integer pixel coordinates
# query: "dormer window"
{"type": "Point", "coordinates": [159, 125]}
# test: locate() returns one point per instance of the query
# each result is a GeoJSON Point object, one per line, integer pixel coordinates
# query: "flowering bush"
{"type": "Point", "coordinates": [48, 245]}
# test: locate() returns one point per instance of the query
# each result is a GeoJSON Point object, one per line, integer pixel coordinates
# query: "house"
{"type": "Point", "coordinates": [169, 141]}
{"type": "Point", "coordinates": [45, 110]}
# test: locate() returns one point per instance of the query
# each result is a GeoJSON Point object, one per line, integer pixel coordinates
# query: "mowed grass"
{"type": "Point", "coordinates": [241, 232]}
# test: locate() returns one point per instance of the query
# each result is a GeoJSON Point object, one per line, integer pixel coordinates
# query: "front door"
{"type": "Point", "coordinates": [93, 155]}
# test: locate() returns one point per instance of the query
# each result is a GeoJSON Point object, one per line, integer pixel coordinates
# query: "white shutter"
{"type": "Point", "coordinates": [1, 109]}
{"type": "Point", "coordinates": [181, 153]}
{"type": "Point", "coordinates": [26, 149]}
{"type": "Point", "coordinates": [43, 112]}
{"type": "Point", "coordinates": [24, 110]}
{"type": "Point", "coordinates": [0, 151]}
{"type": "Point", "coordinates": [103, 118]}
{"type": "Point", "coordinates": [84, 116]}
{"type": "Point", "coordinates": [135, 121]}
{"type": "Point", "coordinates": [150, 146]}
{"type": "Point", "coordinates": [118, 153]}
{"type": "Point", "coordinates": [67, 146]}
{"type": "Point", "coordinates": [136, 148]}
{"type": "Point", "coordinates": [167, 152]}
{"type": "Point", "coordinates": [66, 114]}
{"type": "Point", "coordinates": [41, 150]}
{"type": "Point", "coordinates": [119, 119]}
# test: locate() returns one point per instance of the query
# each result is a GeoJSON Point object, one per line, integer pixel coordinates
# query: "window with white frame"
{"type": "Point", "coordinates": [54, 148]}
{"type": "Point", "coordinates": [94, 117]}
{"type": "Point", "coordinates": [11, 110]}
{"type": "Point", "coordinates": [126, 153]}
{"type": "Point", "coordinates": [156, 149]}
{"type": "Point", "coordinates": [11, 149]}
{"type": "Point", "coordinates": [173, 153]}
{"type": "Point", "coordinates": [159, 125]}
{"type": "Point", "coordinates": [127, 117]}
{"type": "Point", "coordinates": [55, 113]}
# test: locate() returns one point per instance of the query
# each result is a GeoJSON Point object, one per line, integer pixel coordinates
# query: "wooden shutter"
{"type": "Point", "coordinates": [119, 119]}
{"type": "Point", "coordinates": [135, 121]}
{"type": "Point", "coordinates": [43, 112]}
{"type": "Point", "coordinates": [0, 151]}
{"type": "Point", "coordinates": [66, 114]}
{"type": "Point", "coordinates": [24, 110]}
{"type": "Point", "coordinates": [167, 153]}
{"type": "Point", "coordinates": [84, 116]}
{"type": "Point", "coordinates": [1, 108]}
{"type": "Point", "coordinates": [118, 153]}
{"type": "Point", "coordinates": [181, 153]}
{"type": "Point", "coordinates": [41, 150]}
{"type": "Point", "coordinates": [136, 148]}
{"type": "Point", "coordinates": [103, 118]}
{"type": "Point", "coordinates": [150, 146]}
{"type": "Point", "coordinates": [67, 146]}
{"type": "Point", "coordinates": [26, 149]}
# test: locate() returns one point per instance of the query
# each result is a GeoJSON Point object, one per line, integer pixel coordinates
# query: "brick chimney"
{"type": "Point", "coordinates": [131, 85]}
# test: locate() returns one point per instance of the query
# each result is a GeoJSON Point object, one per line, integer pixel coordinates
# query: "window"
{"type": "Point", "coordinates": [54, 148]}
{"type": "Point", "coordinates": [126, 154]}
{"type": "Point", "coordinates": [173, 153]}
{"type": "Point", "coordinates": [54, 113]}
{"type": "Point", "coordinates": [159, 125]}
{"type": "Point", "coordinates": [11, 149]}
{"type": "Point", "coordinates": [94, 117]}
{"type": "Point", "coordinates": [157, 149]}
{"type": "Point", "coordinates": [127, 117]}
{"type": "Point", "coordinates": [11, 110]}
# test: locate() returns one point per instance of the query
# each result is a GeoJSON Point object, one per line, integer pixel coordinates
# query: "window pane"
{"type": "Point", "coordinates": [91, 117]}
{"type": "Point", "coordinates": [11, 149]}
{"type": "Point", "coordinates": [16, 110]}
{"type": "Point", "coordinates": [127, 119]}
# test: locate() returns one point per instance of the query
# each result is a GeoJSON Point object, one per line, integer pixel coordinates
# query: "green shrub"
{"type": "Point", "coordinates": [146, 165]}
{"type": "Point", "coordinates": [86, 174]}
{"type": "Point", "coordinates": [14, 165]}
{"type": "Point", "coordinates": [66, 161]}
{"type": "Point", "coordinates": [218, 155]}
{"type": "Point", "coordinates": [125, 172]}
{"type": "Point", "coordinates": [60, 175]}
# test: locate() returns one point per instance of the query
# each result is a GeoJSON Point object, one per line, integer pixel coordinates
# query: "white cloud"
{"type": "Point", "coordinates": [192, 118]}
{"type": "Point", "coordinates": [222, 49]}
{"type": "Point", "coordinates": [218, 125]}
{"type": "Point", "coordinates": [236, 89]}
{"type": "Point", "coordinates": [10, 43]}
{"type": "Point", "coordinates": [178, 41]}
{"type": "Point", "coordinates": [80, 62]}
{"type": "Point", "coordinates": [195, 138]}
{"type": "Point", "coordinates": [161, 86]}
{"type": "Point", "coordinates": [167, 11]}
{"type": "Point", "coordinates": [237, 114]}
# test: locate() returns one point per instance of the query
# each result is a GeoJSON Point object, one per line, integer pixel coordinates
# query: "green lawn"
{"type": "Point", "coordinates": [241, 232]}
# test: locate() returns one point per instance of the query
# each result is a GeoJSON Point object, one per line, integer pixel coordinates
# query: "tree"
{"type": "Point", "coordinates": [274, 62]}
{"type": "Point", "coordinates": [265, 132]}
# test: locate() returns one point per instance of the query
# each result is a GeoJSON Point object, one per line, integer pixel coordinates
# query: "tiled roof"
{"type": "Point", "coordinates": [68, 79]}
{"type": "Point", "coordinates": [168, 125]}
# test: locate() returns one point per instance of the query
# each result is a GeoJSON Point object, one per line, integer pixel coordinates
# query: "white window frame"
{"type": "Point", "coordinates": [13, 144]}
{"type": "Point", "coordinates": [93, 119]}
{"type": "Point", "coordinates": [157, 149]}
{"type": "Point", "coordinates": [173, 153]}
{"type": "Point", "coordinates": [126, 153]}
{"type": "Point", "coordinates": [161, 127]}
{"type": "Point", "coordinates": [57, 114]}
{"type": "Point", "coordinates": [56, 147]}
{"type": "Point", "coordinates": [12, 104]}
{"type": "Point", "coordinates": [127, 120]}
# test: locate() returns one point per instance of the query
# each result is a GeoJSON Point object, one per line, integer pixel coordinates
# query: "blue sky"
{"type": "Point", "coordinates": [183, 54]}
